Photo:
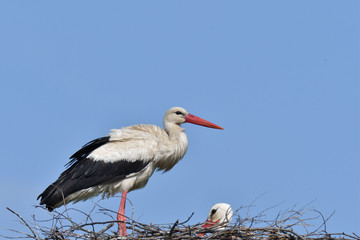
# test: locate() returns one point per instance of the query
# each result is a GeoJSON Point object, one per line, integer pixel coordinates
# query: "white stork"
{"type": "Point", "coordinates": [220, 214]}
{"type": "Point", "coordinates": [122, 161]}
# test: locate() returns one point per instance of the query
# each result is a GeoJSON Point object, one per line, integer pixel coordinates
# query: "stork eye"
{"type": "Point", "coordinates": [179, 113]}
{"type": "Point", "coordinates": [213, 212]}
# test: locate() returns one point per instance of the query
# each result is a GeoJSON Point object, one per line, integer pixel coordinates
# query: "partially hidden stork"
{"type": "Point", "coordinates": [219, 217]}
{"type": "Point", "coordinates": [122, 161]}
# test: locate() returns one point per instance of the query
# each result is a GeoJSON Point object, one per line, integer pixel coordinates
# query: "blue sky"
{"type": "Point", "coordinates": [282, 78]}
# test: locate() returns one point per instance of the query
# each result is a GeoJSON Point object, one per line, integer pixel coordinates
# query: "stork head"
{"type": "Point", "coordinates": [220, 214]}
{"type": "Point", "coordinates": [178, 115]}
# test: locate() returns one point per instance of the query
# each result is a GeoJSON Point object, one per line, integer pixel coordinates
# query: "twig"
{"type": "Point", "coordinates": [173, 227]}
{"type": "Point", "coordinates": [27, 225]}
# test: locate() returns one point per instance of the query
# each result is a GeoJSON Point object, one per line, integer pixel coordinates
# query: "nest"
{"type": "Point", "coordinates": [290, 224]}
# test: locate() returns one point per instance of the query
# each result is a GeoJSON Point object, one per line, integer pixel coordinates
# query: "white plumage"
{"type": "Point", "coordinates": [220, 213]}
{"type": "Point", "coordinates": [123, 161]}
{"type": "Point", "coordinates": [219, 217]}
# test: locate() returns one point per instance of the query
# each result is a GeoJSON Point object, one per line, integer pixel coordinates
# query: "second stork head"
{"type": "Point", "coordinates": [220, 215]}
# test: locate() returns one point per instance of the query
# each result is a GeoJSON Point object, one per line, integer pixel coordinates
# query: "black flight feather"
{"type": "Point", "coordinates": [83, 173]}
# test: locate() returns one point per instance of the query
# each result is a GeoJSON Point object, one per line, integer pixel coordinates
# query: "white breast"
{"type": "Point", "coordinates": [172, 152]}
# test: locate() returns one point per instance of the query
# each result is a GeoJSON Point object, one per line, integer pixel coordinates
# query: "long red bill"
{"type": "Point", "coordinates": [208, 223]}
{"type": "Point", "coordinates": [199, 121]}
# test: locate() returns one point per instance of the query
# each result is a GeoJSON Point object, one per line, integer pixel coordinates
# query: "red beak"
{"type": "Point", "coordinates": [208, 223]}
{"type": "Point", "coordinates": [199, 121]}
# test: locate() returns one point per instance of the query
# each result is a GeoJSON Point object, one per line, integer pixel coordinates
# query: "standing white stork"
{"type": "Point", "coordinates": [122, 161]}
{"type": "Point", "coordinates": [220, 215]}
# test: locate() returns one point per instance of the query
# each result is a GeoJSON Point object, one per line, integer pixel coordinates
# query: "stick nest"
{"type": "Point", "coordinates": [290, 224]}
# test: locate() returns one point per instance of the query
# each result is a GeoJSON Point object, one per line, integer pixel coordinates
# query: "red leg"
{"type": "Point", "coordinates": [121, 215]}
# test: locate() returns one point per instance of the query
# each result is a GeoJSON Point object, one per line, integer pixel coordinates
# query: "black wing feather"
{"type": "Point", "coordinates": [83, 173]}
{"type": "Point", "coordinates": [87, 149]}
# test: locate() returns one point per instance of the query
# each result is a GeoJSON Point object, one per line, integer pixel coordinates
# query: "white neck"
{"type": "Point", "coordinates": [173, 130]}
{"type": "Point", "coordinates": [177, 146]}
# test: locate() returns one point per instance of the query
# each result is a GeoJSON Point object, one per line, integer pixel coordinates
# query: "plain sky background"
{"type": "Point", "coordinates": [282, 78]}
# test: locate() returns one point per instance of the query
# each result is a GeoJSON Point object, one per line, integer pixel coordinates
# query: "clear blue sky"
{"type": "Point", "coordinates": [282, 78]}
